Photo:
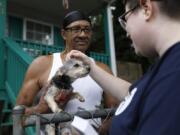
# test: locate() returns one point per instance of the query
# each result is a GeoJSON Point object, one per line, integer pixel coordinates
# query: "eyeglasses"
{"type": "Point", "coordinates": [122, 19]}
{"type": "Point", "coordinates": [78, 30]}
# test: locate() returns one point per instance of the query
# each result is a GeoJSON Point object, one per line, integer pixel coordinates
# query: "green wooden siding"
{"type": "Point", "coordinates": [2, 68]}
{"type": "Point", "coordinates": [15, 27]}
{"type": "Point", "coordinates": [58, 40]}
{"type": "Point", "coordinates": [2, 17]}
{"type": "Point", "coordinates": [106, 32]}
{"type": "Point", "coordinates": [3, 4]}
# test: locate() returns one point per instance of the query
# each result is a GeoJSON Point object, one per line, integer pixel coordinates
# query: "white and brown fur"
{"type": "Point", "coordinates": [62, 80]}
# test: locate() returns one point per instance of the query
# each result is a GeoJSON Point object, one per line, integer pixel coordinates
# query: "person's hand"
{"type": "Point", "coordinates": [41, 107]}
{"type": "Point", "coordinates": [62, 97]}
{"type": "Point", "coordinates": [81, 56]}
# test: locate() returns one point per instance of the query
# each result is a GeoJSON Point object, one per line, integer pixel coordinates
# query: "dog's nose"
{"type": "Point", "coordinates": [88, 68]}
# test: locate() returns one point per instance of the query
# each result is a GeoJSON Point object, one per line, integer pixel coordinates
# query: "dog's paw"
{"type": "Point", "coordinates": [57, 110]}
{"type": "Point", "coordinates": [49, 129]}
{"type": "Point", "coordinates": [76, 95]}
{"type": "Point", "coordinates": [81, 99]}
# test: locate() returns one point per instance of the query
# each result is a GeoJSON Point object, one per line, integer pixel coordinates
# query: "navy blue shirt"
{"type": "Point", "coordinates": [153, 104]}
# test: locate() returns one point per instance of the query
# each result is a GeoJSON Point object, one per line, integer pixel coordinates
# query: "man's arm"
{"type": "Point", "coordinates": [32, 82]}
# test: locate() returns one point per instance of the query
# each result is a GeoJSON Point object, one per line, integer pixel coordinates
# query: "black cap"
{"type": "Point", "coordinates": [74, 16]}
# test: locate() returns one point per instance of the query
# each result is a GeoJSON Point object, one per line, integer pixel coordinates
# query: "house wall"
{"type": "Point", "coordinates": [129, 71]}
{"type": "Point", "coordinates": [2, 67]}
{"type": "Point", "coordinates": [15, 27]}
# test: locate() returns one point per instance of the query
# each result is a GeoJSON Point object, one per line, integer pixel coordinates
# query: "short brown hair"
{"type": "Point", "coordinates": [170, 8]}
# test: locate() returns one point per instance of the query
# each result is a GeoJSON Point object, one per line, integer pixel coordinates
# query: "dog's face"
{"type": "Point", "coordinates": [74, 69]}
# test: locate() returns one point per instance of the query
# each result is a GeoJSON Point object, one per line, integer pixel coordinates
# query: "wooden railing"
{"type": "Point", "coordinates": [15, 62]}
{"type": "Point", "coordinates": [36, 49]}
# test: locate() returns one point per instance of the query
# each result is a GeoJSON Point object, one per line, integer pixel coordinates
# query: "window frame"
{"type": "Point", "coordinates": [41, 23]}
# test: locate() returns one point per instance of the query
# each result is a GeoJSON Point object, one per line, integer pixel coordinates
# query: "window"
{"type": "Point", "coordinates": [38, 32]}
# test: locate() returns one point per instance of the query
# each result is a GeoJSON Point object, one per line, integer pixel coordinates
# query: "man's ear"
{"type": "Point", "coordinates": [63, 34]}
{"type": "Point", "coordinates": [147, 8]}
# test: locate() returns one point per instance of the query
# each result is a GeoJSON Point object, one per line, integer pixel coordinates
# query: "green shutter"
{"type": "Point", "coordinates": [58, 40]}
{"type": "Point", "coordinates": [15, 27]}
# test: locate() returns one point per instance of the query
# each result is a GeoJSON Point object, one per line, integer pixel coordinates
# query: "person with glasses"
{"type": "Point", "coordinates": [150, 106]}
{"type": "Point", "coordinates": [76, 32]}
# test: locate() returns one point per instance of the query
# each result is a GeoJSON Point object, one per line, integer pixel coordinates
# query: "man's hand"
{"type": "Point", "coordinates": [61, 99]}
{"type": "Point", "coordinates": [41, 107]}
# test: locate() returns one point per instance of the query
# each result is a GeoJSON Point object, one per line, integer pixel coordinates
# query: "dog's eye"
{"type": "Point", "coordinates": [76, 65]}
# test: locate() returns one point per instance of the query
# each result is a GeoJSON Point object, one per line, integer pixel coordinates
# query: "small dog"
{"type": "Point", "coordinates": [62, 80]}
{"type": "Point", "coordinates": [60, 84]}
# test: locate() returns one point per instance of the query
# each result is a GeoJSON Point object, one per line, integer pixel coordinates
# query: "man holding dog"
{"type": "Point", "coordinates": [76, 32]}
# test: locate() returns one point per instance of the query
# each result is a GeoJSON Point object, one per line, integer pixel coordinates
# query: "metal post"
{"type": "Point", "coordinates": [18, 112]}
{"type": "Point", "coordinates": [38, 126]}
{"type": "Point", "coordinates": [65, 117]}
{"type": "Point", "coordinates": [109, 38]}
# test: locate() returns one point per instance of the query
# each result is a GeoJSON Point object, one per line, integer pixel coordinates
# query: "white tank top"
{"type": "Point", "coordinates": [86, 86]}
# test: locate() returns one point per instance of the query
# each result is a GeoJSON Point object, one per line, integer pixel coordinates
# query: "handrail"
{"type": "Point", "coordinates": [38, 119]}
{"type": "Point", "coordinates": [16, 63]}
{"type": "Point", "coordinates": [18, 51]}
{"type": "Point", "coordinates": [36, 49]}
{"type": "Point", "coordinates": [100, 57]}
